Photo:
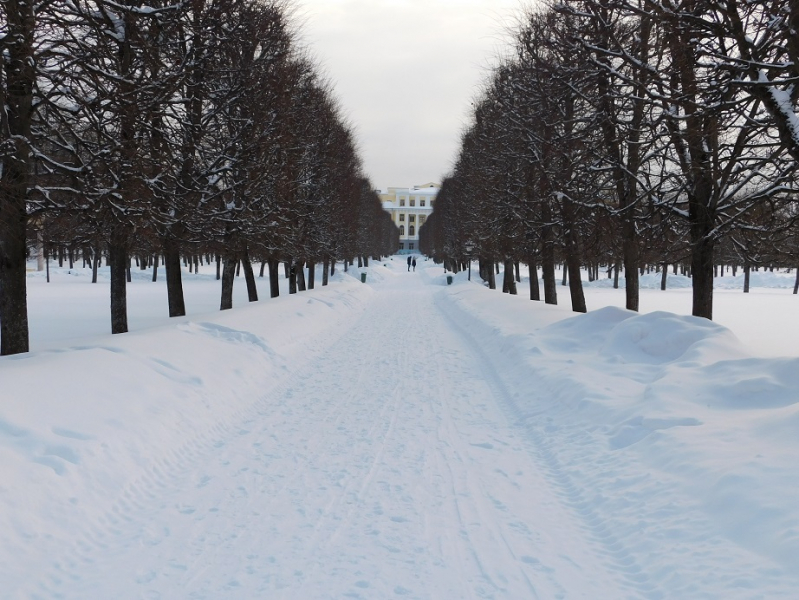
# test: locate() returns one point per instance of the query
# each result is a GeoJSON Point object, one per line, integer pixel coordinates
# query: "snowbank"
{"type": "Point", "coordinates": [663, 429]}
{"type": "Point", "coordinates": [82, 427]}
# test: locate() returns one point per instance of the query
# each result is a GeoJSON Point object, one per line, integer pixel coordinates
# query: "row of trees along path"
{"type": "Point", "coordinates": [166, 130]}
{"type": "Point", "coordinates": [631, 133]}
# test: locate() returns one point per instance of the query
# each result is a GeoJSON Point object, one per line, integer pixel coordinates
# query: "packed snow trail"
{"type": "Point", "coordinates": [386, 468]}
{"type": "Point", "coordinates": [403, 438]}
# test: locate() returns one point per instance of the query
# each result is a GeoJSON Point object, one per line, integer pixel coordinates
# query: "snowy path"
{"type": "Point", "coordinates": [401, 439]}
{"type": "Point", "coordinates": [386, 468]}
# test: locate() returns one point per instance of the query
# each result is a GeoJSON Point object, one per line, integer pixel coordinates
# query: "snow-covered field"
{"type": "Point", "coordinates": [402, 438]}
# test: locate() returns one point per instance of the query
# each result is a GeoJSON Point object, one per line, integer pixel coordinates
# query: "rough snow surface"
{"type": "Point", "coordinates": [402, 438]}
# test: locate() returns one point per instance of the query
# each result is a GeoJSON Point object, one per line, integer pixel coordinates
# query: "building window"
{"type": "Point", "coordinates": [411, 230]}
{"type": "Point", "coordinates": [421, 202]}
{"type": "Point", "coordinates": [413, 201]}
{"type": "Point", "coordinates": [410, 246]}
{"type": "Point", "coordinates": [422, 219]}
{"type": "Point", "coordinates": [402, 229]}
{"type": "Point", "coordinates": [402, 246]}
{"type": "Point", "coordinates": [402, 217]}
{"type": "Point", "coordinates": [402, 201]}
{"type": "Point", "coordinates": [411, 218]}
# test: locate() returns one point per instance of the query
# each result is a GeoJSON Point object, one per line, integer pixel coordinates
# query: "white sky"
{"type": "Point", "coordinates": [405, 73]}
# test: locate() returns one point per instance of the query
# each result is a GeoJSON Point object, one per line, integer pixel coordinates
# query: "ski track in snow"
{"type": "Point", "coordinates": [389, 437]}
{"type": "Point", "coordinates": [401, 463]}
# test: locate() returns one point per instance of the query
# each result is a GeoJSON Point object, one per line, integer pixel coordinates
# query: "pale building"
{"type": "Point", "coordinates": [409, 209]}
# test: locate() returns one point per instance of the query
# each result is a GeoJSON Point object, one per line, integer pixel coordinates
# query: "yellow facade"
{"type": "Point", "coordinates": [409, 209]}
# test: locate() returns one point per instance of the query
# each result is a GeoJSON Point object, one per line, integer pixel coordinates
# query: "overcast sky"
{"type": "Point", "coordinates": [405, 73]}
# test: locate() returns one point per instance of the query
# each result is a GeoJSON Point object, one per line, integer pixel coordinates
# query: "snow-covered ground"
{"type": "Point", "coordinates": [402, 438]}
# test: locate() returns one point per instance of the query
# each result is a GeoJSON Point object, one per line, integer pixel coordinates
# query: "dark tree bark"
{"type": "Point", "coordinates": [95, 264]}
{"type": "Point", "coordinates": [311, 275]}
{"type": "Point", "coordinates": [174, 278]}
{"type": "Point", "coordinates": [548, 269]}
{"type": "Point", "coordinates": [535, 291]}
{"type": "Point", "coordinates": [299, 269]}
{"type": "Point", "coordinates": [292, 277]}
{"type": "Point", "coordinates": [249, 277]}
{"type": "Point", "coordinates": [274, 278]}
{"type": "Point", "coordinates": [228, 277]}
{"type": "Point", "coordinates": [155, 268]}
{"type": "Point", "coordinates": [663, 276]}
{"type": "Point", "coordinates": [120, 264]}
{"type": "Point", "coordinates": [510, 278]}
{"type": "Point", "coordinates": [576, 285]}
{"type": "Point", "coordinates": [747, 271]}
{"type": "Point", "coordinates": [324, 272]}
{"type": "Point", "coordinates": [18, 70]}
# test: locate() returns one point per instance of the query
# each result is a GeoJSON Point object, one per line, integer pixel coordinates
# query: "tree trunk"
{"type": "Point", "coordinates": [565, 281]}
{"type": "Point", "coordinates": [95, 264]}
{"type": "Point", "coordinates": [702, 272]}
{"type": "Point", "coordinates": [13, 285]}
{"type": "Point", "coordinates": [325, 266]}
{"type": "Point", "coordinates": [120, 266]}
{"type": "Point", "coordinates": [155, 268]}
{"type": "Point", "coordinates": [299, 269]}
{"type": "Point", "coordinates": [663, 277]}
{"type": "Point", "coordinates": [263, 266]}
{"type": "Point", "coordinates": [576, 284]}
{"type": "Point", "coordinates": [274, 278]}
{"type": "Point", "coordinates": [249, 278]}
{"type": "Point", "coordinates": [19, 71]}
{"type": "Point", "coordinates": [174, 278]}
{"type": "Point", "coordinates": [218, 267]}
{"type": "Point", "coordinates": [548, 274]}
{"type": "Point", "coordinates": [311, 275]}
{"type": "Point", "coordinates": [292, 277]}
{"type": "Point", "coordinates": [332, 267]}
{"type": "Point", "coordinates": [796, 281]}
{"type": "Point", "coordinates": [616, 270]}
{"type": "Point", "coordinates": [631, 260]}
{"type": "Point", "coordinates": [535, 292]}
{"type": "Point", "coordinates": [747, 270]}
{"type": "Point", "coordinates": [228, 277]}
{"type": "Point", "coordinates": [510, 278]}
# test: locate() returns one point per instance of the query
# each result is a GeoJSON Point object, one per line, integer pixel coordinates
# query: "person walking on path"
{"type": "Point", "coordinates": [410, 258]}
{"type": "Point", "coordinates": [414, 264]}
